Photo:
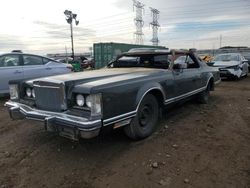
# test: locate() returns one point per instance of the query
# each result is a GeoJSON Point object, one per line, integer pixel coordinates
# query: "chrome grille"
{"type": "Point", "coordinates": [50, 96]}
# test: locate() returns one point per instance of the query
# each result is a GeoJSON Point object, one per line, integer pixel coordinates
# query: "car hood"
{"type": "Point", "coordinates": [103, 77]}
{"type": "Point", "coordinates": [225, 63]}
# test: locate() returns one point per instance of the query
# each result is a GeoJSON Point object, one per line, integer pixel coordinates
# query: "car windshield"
{"type": "Point", "coordinates": [247, 57]}
{"type": "Point", "coordinates": [227, 57]}
{"type": "Point", "coordinates": [145, 60]}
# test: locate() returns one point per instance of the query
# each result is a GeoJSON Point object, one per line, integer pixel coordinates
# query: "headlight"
{"type": "Point", "coordinates": [88, 101]}
{"type": "Point", "coordinates": [94, 102]}
{"type": "Point", "coordinates": [33, 93]}
{"type": "Point", "coordinates": [80, 100]}
{"type": "Point", "coordinates": [13, 91]}
{"type": "Point", "coordinates": [28, 92]}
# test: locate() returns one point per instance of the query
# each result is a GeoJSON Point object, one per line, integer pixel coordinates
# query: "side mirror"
{"type": "Point", "coordinates": [176, 66]}
{"type": "Point", "coordinates": [180, 66]}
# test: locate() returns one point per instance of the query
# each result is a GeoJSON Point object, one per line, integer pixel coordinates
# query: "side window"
{"type": "Point", "coordinates": [191, 63]}
{"type": "Point", "coordinates": [9, 60]}
{"type": "Point", "coordinates": [181, 60]}
{"type": "Point", "coordinates": [45, 60]}
{"type": "Point", "coordinates": [32, 60]}
{"type": "Point", "coordinates": [161, 61]}
{"type": "Point", "coordinates": [127, 61]}
{"type": "Point", "coordinates": [186, 62]}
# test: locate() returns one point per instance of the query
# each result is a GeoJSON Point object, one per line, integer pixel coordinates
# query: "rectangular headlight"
{"type": "Point", "coordinates": [13, 91]}
{"type": "Point", "coordinates": [95, 104]}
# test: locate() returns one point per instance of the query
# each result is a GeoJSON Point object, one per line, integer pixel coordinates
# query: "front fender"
{"type": "Point", "coordinates": [147, 88]}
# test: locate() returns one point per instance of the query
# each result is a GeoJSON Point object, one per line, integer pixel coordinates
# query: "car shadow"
{"type": "Point", "coordinates": [117, 137]}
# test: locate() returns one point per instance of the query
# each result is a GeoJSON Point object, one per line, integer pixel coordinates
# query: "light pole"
{"type": "Point", "coordinates": [69, 18]}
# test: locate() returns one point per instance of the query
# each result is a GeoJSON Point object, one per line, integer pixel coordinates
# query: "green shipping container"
{"type": "Point", "coordinates": [105, 52]}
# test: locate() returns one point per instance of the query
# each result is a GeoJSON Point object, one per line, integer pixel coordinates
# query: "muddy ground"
{"type": "Point", "coordinates": [195, 146]}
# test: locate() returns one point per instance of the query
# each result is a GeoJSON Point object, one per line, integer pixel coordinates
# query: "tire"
{"type": "Point", "coordinates": [204, 95]}
{"type": "Point", "coordinates": [144, 123]}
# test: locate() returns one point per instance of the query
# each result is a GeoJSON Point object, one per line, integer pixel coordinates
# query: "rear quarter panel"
{"type": "Point", "coordinates": [208, 73]}
{"type": "Point", "coordinates": [57, 68]}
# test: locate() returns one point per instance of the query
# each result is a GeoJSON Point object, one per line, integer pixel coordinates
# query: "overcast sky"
{"type": "Point", "coordinates": [40, 26]}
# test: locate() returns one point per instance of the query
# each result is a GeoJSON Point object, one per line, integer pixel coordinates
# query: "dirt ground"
{"type": "Point", "coordinates": [194, 146]}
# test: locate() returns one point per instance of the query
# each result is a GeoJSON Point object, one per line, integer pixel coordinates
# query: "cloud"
{"type": "Point", "coordinates": [62, 31]}
{"type": "Point", "coordinates": [184, 23]}
{"type": "Point", "coordinates": [9, 43]}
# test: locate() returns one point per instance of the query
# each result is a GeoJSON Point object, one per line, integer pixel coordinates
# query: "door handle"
{"type": "Point", "coordinates": [48, 68]}
{"type": "Point", "coordinates": [17, 72]}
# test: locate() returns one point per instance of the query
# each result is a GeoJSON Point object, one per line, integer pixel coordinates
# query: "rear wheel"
{"type": "Point", "coordinates": [204, 95]}
{"type": "Point", "coordinates": [144, 123]}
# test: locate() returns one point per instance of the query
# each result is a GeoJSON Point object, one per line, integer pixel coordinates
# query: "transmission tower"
{"type": "Point", "coordinates": [155, 25]}
{"type": "Point", "coordinates": [138, 21]}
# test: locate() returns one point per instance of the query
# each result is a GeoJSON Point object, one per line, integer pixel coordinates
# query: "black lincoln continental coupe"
{"type": "Point", "coordinates": [128, 93]}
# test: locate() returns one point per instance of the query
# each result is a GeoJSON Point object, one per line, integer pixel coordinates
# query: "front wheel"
{"type": "Point", "coordinates": [144, 123]}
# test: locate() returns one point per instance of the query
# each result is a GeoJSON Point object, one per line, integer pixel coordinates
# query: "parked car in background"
{"type": "Point", "coordinates": [64, 60]}
{"type": "Point", "coordinates": [18, 65]}
{"type": "Point", "coordinates": [130, 93]}
{"type": "Point", "coordinates": [88, 64]}
{"type": "Point", "coordinates": [206, 58]}
{"type": "Point", "coordinates": [231, 65]}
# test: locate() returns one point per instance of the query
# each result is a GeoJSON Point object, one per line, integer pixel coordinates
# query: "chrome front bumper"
{"type": "Point", "coordinates": [66, 125]}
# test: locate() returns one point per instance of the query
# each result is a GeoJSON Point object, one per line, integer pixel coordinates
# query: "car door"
{"type": "Point", "coordinates": [33, 66]}
{"type": "Point", "coordinates": [10, 69]}
{"type": "Point", "coordinates": [186, 74]}
{"type": "Point", "coordinates": [194, 65]}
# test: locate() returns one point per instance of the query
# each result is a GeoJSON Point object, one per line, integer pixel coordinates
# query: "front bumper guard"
{"type": "Point", "coordinates": [66, 125]}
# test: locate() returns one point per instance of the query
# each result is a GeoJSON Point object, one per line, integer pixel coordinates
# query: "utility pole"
{"type": "Point", "coordinates": [138, 21]}
{"type": "Point", "coordinates": [155, 25]}
{"type": "Point", "coordinates": [69, 18]}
